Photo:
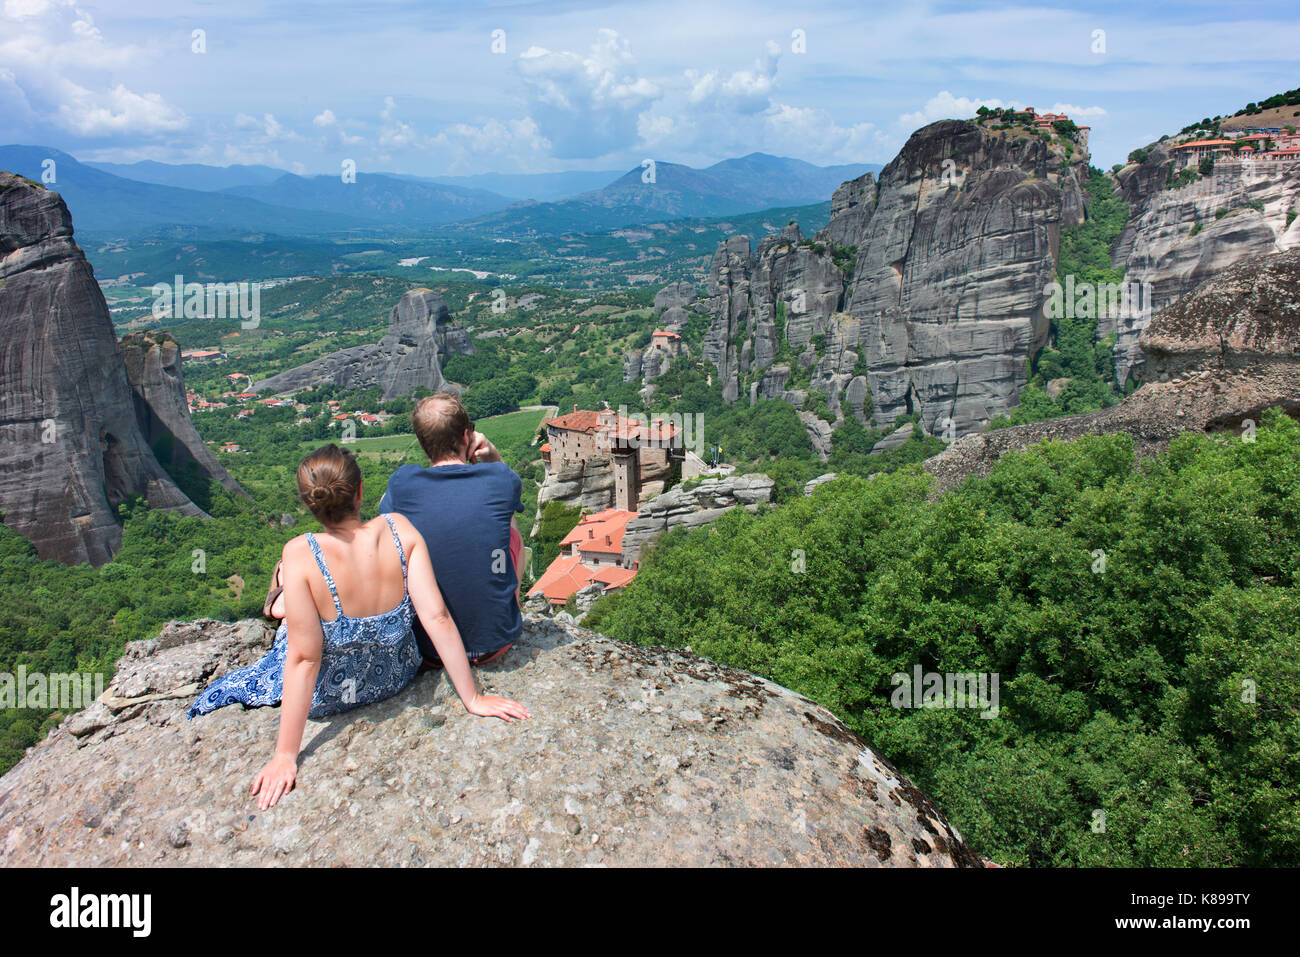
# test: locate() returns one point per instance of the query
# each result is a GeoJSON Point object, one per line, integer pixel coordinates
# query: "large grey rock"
{"type": "Point", "coordinates": [819, 433]}
{"type": "Point", "coordinates": [153, 367]}
{"type": "Point", "coordinates": [1217, 357]}
{"type": "Point", "coordinates": [674, 295]}
{"type": "Point", "coordinates": [852, 206]}
{"type": "Point", "coordinates": [633, 756]}
{"type": "Point", "coordinates": [407, 358]}
{"type": "Point", "coordinates": [71, 447]}
{"type": "Point", "coordinates": [894, 439]}
{"type": "Point", "coordinates": [952, 270]}
{"type": "Point", "coordinates": [692, 506]}
{"type": "Point", "coordinates": [956, 244]}
{"type": "Point", "coordinates": [813, 484]}
{"type": "Point", "coordinates": [1158, 250]}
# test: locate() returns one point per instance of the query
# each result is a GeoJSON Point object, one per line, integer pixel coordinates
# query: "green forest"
{"type": "Point", "coordinates": [1143, 618]}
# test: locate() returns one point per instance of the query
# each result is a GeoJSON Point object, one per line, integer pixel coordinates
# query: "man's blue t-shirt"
{"type": "Point", "coordinates": [464, 512]}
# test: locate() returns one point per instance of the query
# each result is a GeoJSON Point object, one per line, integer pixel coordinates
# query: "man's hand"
{"type": "Point", "coordinates": [482, 450]}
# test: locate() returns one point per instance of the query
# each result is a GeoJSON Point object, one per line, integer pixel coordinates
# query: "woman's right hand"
{"type": "Point", "coordinates": [495, 706]}
{"type": "Point", "coordinates": [275, 780]}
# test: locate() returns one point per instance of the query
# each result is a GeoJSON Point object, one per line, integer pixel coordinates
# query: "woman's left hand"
{"type": "Point", "coordinates": [275, 780]}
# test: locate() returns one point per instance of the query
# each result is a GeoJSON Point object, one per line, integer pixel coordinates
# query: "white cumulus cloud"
{"type": "Point", "coordinates": [60, 64]}
{"type": "Point", "coordinates": [587, 104]}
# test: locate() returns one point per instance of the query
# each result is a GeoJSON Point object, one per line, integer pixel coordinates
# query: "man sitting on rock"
{"type": "Point", "coordinates": [464, 504]}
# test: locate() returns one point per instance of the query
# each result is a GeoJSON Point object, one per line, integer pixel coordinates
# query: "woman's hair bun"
{"type": "Point", "coordinates": [328, 482]}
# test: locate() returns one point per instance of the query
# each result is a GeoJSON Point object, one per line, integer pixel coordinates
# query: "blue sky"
{"type": "Point", "coordinates": [417, 87]}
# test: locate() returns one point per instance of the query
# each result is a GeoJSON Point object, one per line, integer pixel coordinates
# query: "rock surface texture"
{"type": "Point", "coordinates": [691, 507]}
{"type": "Point", "coordinates": [153, 367]}
{"type": "Point", "coordinates": [633, 756]}
{"type": "Point", "coordinates": [590, 484]}
{"type": "Point", "coordinates": [420, 330]}
{"type": "Point", "coordinates": [1177, 238]}
{"type": "Point", "coordinates": [71, 445]}
{"type": "Point", "coordinates": [1218, 356]}
{"type": "Point", "coordinates": [938, 304]}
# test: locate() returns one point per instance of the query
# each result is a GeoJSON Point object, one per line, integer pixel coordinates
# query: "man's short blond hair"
{"type": "Point", "coordinates": [440, 423]}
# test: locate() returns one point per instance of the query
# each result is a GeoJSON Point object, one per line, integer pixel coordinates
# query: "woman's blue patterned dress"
{"type": "Point", "coordinates": [363, 660]}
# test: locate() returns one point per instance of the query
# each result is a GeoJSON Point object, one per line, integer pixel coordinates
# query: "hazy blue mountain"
{"type": "Point", "coordinates": [192, 175]}
{"type": "Point", "coordinates": [377, 196]}
{"type": "Point", "coordinates": [543, 187]}
{"type": "Point", "coordinates": [747, 184]}
{"type": "Point", "coordinates": [104, 205]}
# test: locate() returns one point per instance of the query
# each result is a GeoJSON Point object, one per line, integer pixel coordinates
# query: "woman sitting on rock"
{"type": "Point", "coordinates": [318, 667]}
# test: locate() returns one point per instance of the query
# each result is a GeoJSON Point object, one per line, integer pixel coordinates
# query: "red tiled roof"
{"type": "Point", "coordinates": [576, 421]}
{"type": "Point", "coordinates": [559, 581]}
{"type": "Point", "coordinates": [584, 420]}
{"type": "Point", "coordinates": [546, 447]}
{"type": "Point", "coordinates": [600, 532]}
{"type": "Point", "coordinates": [567, 575]}
{"type": "Point", "coordinates": [611, 576]}
{"type": "Point", "coordinates": [1183, 146]}
{"type": "Point", "coordinates": [663, 332]}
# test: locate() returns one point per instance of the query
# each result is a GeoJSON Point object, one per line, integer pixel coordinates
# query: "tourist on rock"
{"type": "Point", "coordinates": [381, 572]}
{"type": "Point", "coordinates": [463, 504]}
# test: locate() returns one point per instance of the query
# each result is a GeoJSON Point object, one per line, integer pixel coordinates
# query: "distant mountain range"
{"type": "Point", "coordinates": [376, 197]}
{"type": "Point", "coordinates": [196, 201]}
{"type": "Point", "coordinates": [192, 175]}
{"type": "Point", "coordinates": [542, 187]}
{"type": "Point", "coordinates": [107, 206]}
{"type": "Point", "coordinates": [672, 191]}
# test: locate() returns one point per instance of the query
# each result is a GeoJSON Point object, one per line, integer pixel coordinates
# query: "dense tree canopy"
{"type": "Point", "coordinates": [1143, 619]}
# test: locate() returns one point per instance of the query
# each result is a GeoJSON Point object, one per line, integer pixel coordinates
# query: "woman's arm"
{"type": "Point", "coordinates": [301, 666]}
{"type": "Point", "coordinates": [437, 621]}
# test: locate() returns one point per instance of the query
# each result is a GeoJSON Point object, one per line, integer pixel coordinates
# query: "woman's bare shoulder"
{"type": "Point", "coordinates": [407, 532]}
{"type": "Point", "coordinates": [296, 549]}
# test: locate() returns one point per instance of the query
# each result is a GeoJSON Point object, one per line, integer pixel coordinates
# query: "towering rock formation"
{"type": "Point", "coordinates": [420, 331]}
{"type": "Point", "coordinates": [1176, 238]}
{"type": "Point", "coordinates": [1215, 358]}
{"type": "Point", "coordinates": [633, 756]}
{"type": "Point", "coordinates": [654, 359]}
{"type": "Point", "coordinates": [954, 247]}
{"type": "Point", "coordinates": [153, 367]}
{"type": "Point", "coordinates": [71, 445]}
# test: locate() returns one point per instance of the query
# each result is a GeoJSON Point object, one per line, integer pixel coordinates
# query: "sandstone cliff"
{"type": "Point", "coordinates": [1218, 356]}
{"type": "Point", "coordinates": [633, 756]}
{"type": "Point", "coordinates": [153, 367]}
{"type": "Point", "coordinates": [1176, 238]}
{"type": "Point", "coordinates": [71, 445]}
{"type": "Point", "coordinates": [692, 505]}
{"type": "Point", "coordinates": [954, 246]}
{"type": "Point", "coordinates": [408, 357]}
